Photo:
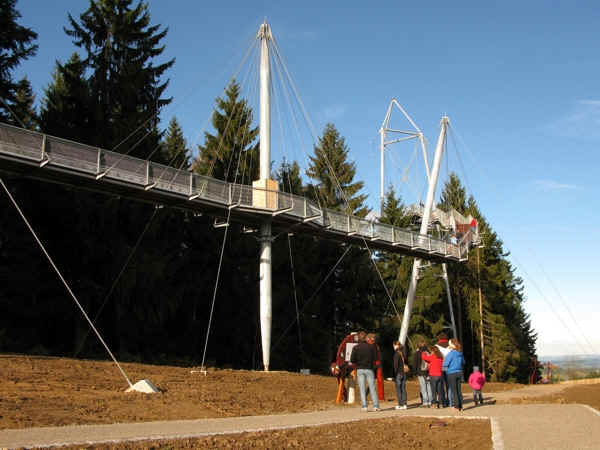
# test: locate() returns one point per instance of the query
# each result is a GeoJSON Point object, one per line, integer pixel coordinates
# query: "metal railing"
{"type": "Point", "coordinates": [51, 152]}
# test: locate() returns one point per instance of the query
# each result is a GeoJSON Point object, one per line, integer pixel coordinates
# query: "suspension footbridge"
{"type": "Point", "coordinates": [48, 158]}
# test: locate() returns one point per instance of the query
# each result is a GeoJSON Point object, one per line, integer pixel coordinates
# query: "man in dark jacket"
{"type": "Point", "coordinates": [363, 356]}
{"type": "Point", "coordinates": [421, 369]}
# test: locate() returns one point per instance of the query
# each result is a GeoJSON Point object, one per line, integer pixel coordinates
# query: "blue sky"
{"type": "Point", "coordinates": [519, 81]}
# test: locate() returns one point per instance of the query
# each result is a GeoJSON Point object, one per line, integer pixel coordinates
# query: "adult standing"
{"type": "Point", "coordinates": [454, 362]}
{"type": "Point", "coordinates": [421, 370]}
{"type": "Point", "coordinates": [363, 356]}
{"type": "Point", "coordinates": [435, 360]}
{"type": "Point", "coordinates": [400, 373]}
{"type": "Point", "coordinates": [442, 345]}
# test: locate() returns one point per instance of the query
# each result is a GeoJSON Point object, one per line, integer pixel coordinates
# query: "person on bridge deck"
{"type": "Point", "coordinates": [400, 374]}
{"type": "Point", "coordinates": [476, 381]}
{"type": "Point", "coordinates": [363, 356]}
{"type": "Point", "coordinates": [435, 359]}
{"type": "Point", "coordinates": [454, 363]}
{"type": "Point", "coordinates": [442, 345]}
{"type": "Point", "coordinates": [421, 370]}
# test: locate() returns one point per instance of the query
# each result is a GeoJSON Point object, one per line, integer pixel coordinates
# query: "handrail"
{"type": "Point", "coordinates": [92, 161]}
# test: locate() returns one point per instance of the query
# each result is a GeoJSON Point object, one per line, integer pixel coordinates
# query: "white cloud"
{"type": "Point", "coordinates": [551, 185]}
{"type": "Point", "coordinates": [582, 121]}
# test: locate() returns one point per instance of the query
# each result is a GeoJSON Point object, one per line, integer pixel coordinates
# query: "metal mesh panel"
{"type": "Point", "coordinates": [437, 246]}
{"type": "Point", "coordinates": [297, 206]}
{"type": "Point", "coordinates": [285, 200]}
{"type": "Point", "coordinates": [337, 220]}
{"type": "Point", "coordinates": [312, 209]}
{"type": "Point", "coordinates": [19, 142]}
{"type": "Point", "coordinates": [123, 167]}
{"type": "Point", "coordinates": [384, 231]}
{"type": "Point", "coordinates": [72, 155]}
{"type": "Point", "coordinates": [215, 190]}
{"type": "Point", "coordinates": [169, 178]}
{"type": "Point", "coordinates": [242, 194]}
{"type": "Point", "coordinates": [360, 226]}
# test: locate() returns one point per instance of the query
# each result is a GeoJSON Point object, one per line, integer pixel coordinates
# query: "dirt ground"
{"type": "Point", "coordinates": [46, 391]}
{"type": "Point", "coordinates": [586, 394]}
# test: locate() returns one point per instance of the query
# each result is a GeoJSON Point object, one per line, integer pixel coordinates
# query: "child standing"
{"type": "Point", "coordinates": [476, 381]}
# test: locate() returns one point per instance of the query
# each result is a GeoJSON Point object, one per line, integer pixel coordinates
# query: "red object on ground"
{"type": "Point", "coordinates": [380, 383]}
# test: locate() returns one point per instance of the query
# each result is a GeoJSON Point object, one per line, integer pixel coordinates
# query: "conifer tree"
{"type": "Point", "coordinates": [332, 171]}
{"type": "Point", "coordinates": [120, 47]}
{"type": "Point", "coordinates": [66, 106]}
{"type": "Point", "coordinates": [24, 105]}
{"type": "Point", "coordinates": [16, 45]}
{"type": "Point", "coordinates": [175, 148]}
{"type": "Point", "coordinates": [232, 153]}
{"type": "Point", "coordinates": [289, 178]}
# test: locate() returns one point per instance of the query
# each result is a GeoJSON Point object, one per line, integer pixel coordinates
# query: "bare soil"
{"type": "Point", "coordinates": [586, 394]}
{"type": "Point", "coordinates": [46, 391]}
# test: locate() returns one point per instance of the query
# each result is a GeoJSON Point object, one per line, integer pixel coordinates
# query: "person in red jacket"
{"type": "Point", "coordinates": [476, 381]}
{"type": "Point", "coordinates": [435, 359]}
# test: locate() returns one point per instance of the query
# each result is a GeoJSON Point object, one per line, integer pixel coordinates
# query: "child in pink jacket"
{"type": "Point", "coordinates": [476, 381]}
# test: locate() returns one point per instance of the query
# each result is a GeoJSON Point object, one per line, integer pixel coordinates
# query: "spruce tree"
{"type": "Point", "coordinates": [175, 148]}
{"type": "Point", "coordinates": [232, 153]}
{"type": "Point", "coordinates": [332, 171]}
{"type": "Point", "coordinates": [24, 105]}
{"type": "Point", "coordinates": [16, 45]}
{"type": "Point", "coordinates": [66, 106]}
{"type": "Point", "coordinates": [120, 49]}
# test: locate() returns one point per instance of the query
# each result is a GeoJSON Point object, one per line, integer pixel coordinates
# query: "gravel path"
{"type": "Point", "coordinates": [565, 426]}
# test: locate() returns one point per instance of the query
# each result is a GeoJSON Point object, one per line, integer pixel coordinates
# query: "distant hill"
{"type": "Point", "coordinates": [579, 361]}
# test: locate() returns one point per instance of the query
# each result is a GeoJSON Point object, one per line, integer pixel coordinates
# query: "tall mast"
{"type": "Point", "coordinates": [382, 187]}
{"type": "Point", "coordinates": [265, 264]}
{"type": "Point", "coordinates": [412, 288]}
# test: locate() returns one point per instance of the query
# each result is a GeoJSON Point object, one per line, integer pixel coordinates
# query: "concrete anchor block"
{"type": "Point", "coordinates": [144, 386]}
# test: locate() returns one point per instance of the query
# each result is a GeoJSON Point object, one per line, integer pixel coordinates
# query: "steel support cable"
{"type": "Point", "coordinates": [212, 306]}
{"type": "Point", "coordinates": [116, 281]}
{"type": "Point", "coordinates": [63, 280]}
{"type": "Point", "coordinates": [313, 295]}
{"type": "Point", "coordinates": [303, 109]}
{"type": "Point", "coordinates": [279, 65]}
{"type": "Point", "coordinates": [454, 132]}
{"type": "Point", "coordinates": [549, 304]}
{"type": "Point", "coordinates": [282, 137]}
{"type": "Point", "coordinates": [335, 178]}
{"type": "Point", "coordinates": [296, 299]}
{"type": "Point", "coordinates": [242, 113]}
{"type": "Point", "coordinates": [238, 108]}
{"type": "Point", "coordinates": [592, 348]}
{"type": "Point", "coordinates": [155, 114]}
{"type": "Point", "coordinates": [17, 118]}
{"type": "Point", "coordinates": [460, 162]}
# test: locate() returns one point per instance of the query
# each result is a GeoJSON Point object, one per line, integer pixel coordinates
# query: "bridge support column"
{"type": "Point", "coordinates": [412, 288]}
{"type": "Point", "coordinates": [265, 182]}
{"type": "Point", "coordinates": [265, 292]}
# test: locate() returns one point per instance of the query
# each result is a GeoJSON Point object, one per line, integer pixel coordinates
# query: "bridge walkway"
{"type": "Point", "coordinates": [48, 158]}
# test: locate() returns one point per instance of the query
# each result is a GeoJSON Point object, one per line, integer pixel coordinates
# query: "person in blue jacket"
{"type": "Point", "coordinates": [453, 363]}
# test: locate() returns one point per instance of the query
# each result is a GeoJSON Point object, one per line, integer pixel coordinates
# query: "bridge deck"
{"type": "Point", "coordinates": [40, 156]}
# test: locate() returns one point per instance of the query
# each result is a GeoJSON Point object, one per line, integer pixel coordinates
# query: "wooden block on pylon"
{"type": "Point", "coordinates": [264, 193]}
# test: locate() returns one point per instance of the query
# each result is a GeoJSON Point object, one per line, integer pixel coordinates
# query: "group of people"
{"type": "Point", "coordinates": [439, 369]}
